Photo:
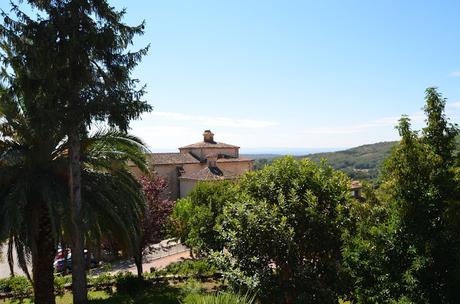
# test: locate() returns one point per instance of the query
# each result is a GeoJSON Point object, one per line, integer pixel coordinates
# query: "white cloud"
{"type": "Point", "coordinates": [454, 104]}
{"type": "Point", "coordinates": [390, 121]}
{"type": "Point", "coordinates": [213, 121]}
{"type": "Point", "coordinates": [164, 137]}
{"type": "Point", "coordinates": [454, 74]}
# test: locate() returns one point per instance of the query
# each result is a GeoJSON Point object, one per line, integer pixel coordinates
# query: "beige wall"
{"type": "Point", "coordinates": [178, 188]}
{"type": "Point", "coordinates": [186, 186]}
{"type": "Point", "coordinates": [169, 172]}
{"type": "Point", "coordinates": [237, 167]}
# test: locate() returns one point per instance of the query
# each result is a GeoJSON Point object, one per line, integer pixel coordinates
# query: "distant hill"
{"type": "Point", "coordinates": [261, 156]}
{"type": "Point", "coordinates": [362, 162]}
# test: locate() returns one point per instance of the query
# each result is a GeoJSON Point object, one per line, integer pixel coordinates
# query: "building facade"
{"type": "Point", "coordinates": [207, 160]}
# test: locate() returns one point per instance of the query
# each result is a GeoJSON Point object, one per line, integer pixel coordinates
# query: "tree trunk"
{"type": "Point", "coordinates": [88, 257]}
{"type": "Point", "coordinates": [114, 250]}
{"type": "Point", "coordinates": [66, 260]}
{"type": "Point", "coordinates": [43, 253]}
{"type": "Point", "coordinates": [286, 278]}
{"type": "Point", "coordinates": [98, 253]}
{"type": "Point", "coordinates": [79, 287]}
{"type": "Point", "coordinates": [138, 262]}
{"type": "Point", "coordinates": [10, 256]}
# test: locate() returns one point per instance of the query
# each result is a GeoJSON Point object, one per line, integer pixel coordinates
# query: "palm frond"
{"type": "Point", "coordinates": [108, 148]}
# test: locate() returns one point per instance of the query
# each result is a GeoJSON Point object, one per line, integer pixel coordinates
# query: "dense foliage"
{"type": "Point", "coordinates": [154, 218]}
{"type": "Point", "coordinates": [129, 290]}
{"type": "Point", "coordinates": [71, 64]}
{"type": "Point", "coordinates": [34, 193]}
{"type": "Point", "coordinates": [195, 218]}
{"type": "Point", "coordinates": [17, 286]}
{"type": "Point", "coordinates": [292, 232]}
{"type": "Point", "coordinates": [284, 230]}
{"type": "Point", "coordinates": [407, 249]}
{"type": "Point", "coordinates": [191, 268]}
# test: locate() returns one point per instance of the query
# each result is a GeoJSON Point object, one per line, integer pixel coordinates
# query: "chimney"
{"type": "Point", "coordinates": [208, 136]}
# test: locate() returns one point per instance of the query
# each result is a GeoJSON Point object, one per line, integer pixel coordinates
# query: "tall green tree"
{"type": "Point", "coordinates": [76, 54]}
{"type": "Point", "coordinates": [34, 185]}
{"type": "Point", "coordinates": [195, 218]}
{"type": "Point", "coordinates": [284, 230]}
{"type": "Point", "coordinates": [412, 253]}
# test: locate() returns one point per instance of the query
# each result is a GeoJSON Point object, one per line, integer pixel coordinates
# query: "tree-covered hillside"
{"type": "Point", "coordinates": [361, 162]}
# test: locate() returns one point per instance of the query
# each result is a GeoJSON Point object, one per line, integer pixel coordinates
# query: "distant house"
{"type": "Point", "coordinates": [203, 161]}
{"type": "Point", "coordinates": [355, 188]}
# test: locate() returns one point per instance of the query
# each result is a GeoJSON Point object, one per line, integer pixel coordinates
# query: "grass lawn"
{"type": "Point", "coordinates": [67, 298]}
{"type": "Point", "coordinates": [162, 294]}
{"type": "Point", "coordinates": [102, 297]}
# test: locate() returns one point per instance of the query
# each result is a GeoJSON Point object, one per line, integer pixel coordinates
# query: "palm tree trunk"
{"type": "Point", "coordinates": [42, 261]}
{"type": "Point", "coordinates": [10, 256]}
{"type": "Point", "coordinates": [79, 287]}
{"type": "Point", "coordinates": [138, 262]}
{"type": "Point", "coordinates": [88, 258]}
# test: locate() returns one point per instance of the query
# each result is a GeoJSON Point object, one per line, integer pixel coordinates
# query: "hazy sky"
{"type": "Point", "coordinates": [292, 74]}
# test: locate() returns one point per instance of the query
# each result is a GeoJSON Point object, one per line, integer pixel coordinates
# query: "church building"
{"type": "Point", "coordinates": [207, 160]}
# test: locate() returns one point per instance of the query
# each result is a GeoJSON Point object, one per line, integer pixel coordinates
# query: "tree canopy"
{"type": "Point", "coordinates": [196, 217]}
{"type": "Point", "coordinates": [73, 66]}
{"type": "Point", "coordinates": [411, 254]}
{"type": "Point", "coordinates": [284, 230]}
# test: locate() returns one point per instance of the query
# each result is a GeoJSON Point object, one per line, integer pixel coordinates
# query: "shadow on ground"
{"type": "Point", "coordinates": [160, 294]}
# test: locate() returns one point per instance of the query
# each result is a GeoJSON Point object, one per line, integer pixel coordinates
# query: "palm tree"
{"type": "Point", "coordinates": [113, 200]}
{"type": "Point", "coordinates": [34, 188]}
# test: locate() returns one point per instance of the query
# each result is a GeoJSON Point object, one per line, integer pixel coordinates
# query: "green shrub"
{"type": "Point", "coordinates": [102, 280]}
{"type": "Point", "coordinates": [190, 268]}
{"type": "Point", "coordinates": [3, 285]}
{"type": "Point", "coordinates": [128, 284]}
{"type": "Point", "coordinates": [60, 282]}
{"type": "Point", "coordinates": [218, 298]}
{"type": "Point", "coordinates": [192, 286]}
{"type": "Point", "coordinates": [17, 285]}
{"type": "Point", "coordinates": [107, 267]}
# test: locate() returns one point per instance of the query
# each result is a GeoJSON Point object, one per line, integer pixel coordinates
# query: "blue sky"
{"type": "Point", "coordinates": [292, 74]}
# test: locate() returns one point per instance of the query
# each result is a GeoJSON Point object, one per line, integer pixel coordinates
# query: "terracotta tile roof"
{"type": "Point", "coordinates": [204, 144]}
{"type": "Point", "coordinates": [172, 158]}
{"type": "Point", "coordinates": [210, 173]}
